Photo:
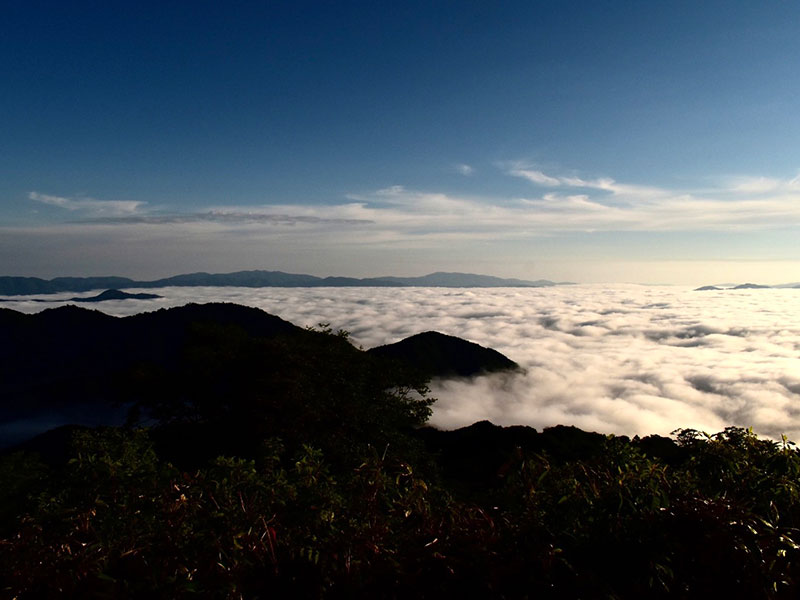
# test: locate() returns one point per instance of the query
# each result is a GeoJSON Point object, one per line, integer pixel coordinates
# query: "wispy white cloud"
{"type": "Point", "coordinates": [763, 185]}
{"type": "Point", "coordinates": [227, 216]}
{"type": "Point", "coordinates": [736, 204]}
{"type": "Point", "coordinates": [605, 184]}
{"type": "Point", "coordinates": [465, 169]}
{"type": "Point", "coordinates": [89, 206]}
{"type": "Point", "coordinates": [534, 176]}
{"type": "Point", "coordinates": [578, 205]}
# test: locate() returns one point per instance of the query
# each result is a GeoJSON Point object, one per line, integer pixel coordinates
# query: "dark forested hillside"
{"type": "Point", "coordinates": [195, 362]}
{"type": "Point", "coordinates": [437, 354]}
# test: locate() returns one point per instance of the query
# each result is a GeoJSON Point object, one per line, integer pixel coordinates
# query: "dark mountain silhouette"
{"type": "Point", "coordinates": [101, 297]}
{"type": "Point", "coordinates": [75, 365]}
{"type": "Point", "coordinates": [73, 362]}
{"type": "Point", "coordinates": [751, 286]}
{"type": "Point", "coordinates": [15, 286]}
{"type": "Point", "coordinates": [743, 286]}
{"type": "Point", "coordinates": [116, 295]}
{"type": "Point", "coordinates": [436, 354]}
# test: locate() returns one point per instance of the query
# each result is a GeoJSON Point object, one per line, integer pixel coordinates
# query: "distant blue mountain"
{"type": "Point", "coordinates": [743, 286]}
{"type": "Point", "coordinates": [101, 297]}
{"type": "Point", "coordinates": [116, 295]}
{"type": "Point", "coordinates": [16, 286]}
{"type": "Point", "coordinates": [751, 286]}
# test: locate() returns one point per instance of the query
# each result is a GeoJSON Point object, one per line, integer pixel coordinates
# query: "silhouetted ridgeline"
{"type": "Point", "coordinates": [743, 286]}
{"type": "Point", "coordinates": [66, 362]}
{"type": "Point", "coordinates": [436, 354]}
{"type": "Point", "coordinates": [15, 286]}
{"type": "Point", "coordinates": [101, 297]}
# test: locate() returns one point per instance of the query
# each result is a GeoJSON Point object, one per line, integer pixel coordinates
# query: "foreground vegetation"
{"type": "Point", "coordinates": [298, 468]}
{"type": "Point", "coordinates": [118, 521]}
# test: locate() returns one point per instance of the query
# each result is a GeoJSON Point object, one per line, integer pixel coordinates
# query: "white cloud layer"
{"type": "Point", "coordinates": [89, 206]}
{"type": "Point", "coordinates": [617, 359]}
{"type": "Point", "coordinates": [568, 204]}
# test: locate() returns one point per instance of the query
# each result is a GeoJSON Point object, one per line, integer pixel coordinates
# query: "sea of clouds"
{"type": "Point", "coordinates": [623, 359]}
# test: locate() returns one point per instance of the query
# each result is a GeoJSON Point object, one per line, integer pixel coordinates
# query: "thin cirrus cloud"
{"type": "Point", "coordinates": [123, 212]}
{"type": "Point", "coordinates": [743, 203]}
{"type": "Point", "coordinates": [762, 185]}
{"type": "Point", "coordinates": [605, 184]}
{"type": "Point", "coordinates": [227, 217]}
{"type": "Point", "coordinates": [89, 206]}
{"type": "Point", "coordinates": [464, 169]}
{"type": "Point", "coordinates": [557, 204]}
{"type": "Point", "coordinates": [573, 204]}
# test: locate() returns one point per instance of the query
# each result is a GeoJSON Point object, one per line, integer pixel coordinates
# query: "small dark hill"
{"type": "Point", "coordinates": [116, 295]}
{"type": "Point", "coordinates": [436, 355]}
{"type": "Point", "coordinates": [708, 288]}
{"type": "Point", "coordinates": [15, 286]}
{"type": "Point", "coordinates": [751, 286]}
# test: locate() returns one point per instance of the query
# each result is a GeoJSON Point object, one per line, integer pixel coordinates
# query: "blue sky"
{"type": "Point", "coordinates": [590, 141]}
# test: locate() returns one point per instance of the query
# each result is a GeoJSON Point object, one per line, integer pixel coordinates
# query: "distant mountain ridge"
{"type": "Point", "coordinates": [101, 297]}
{"type": "Point", "coordinates": [17, 286]}
{"type": "Point", "coordinates": [743, 286]}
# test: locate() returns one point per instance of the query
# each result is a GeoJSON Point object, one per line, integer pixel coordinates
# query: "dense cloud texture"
{"type": "Point", "coordinates": [623, 359]}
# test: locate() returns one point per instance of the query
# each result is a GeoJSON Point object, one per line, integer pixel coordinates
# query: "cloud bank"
{"type": "Point", "coordinates": [616, 359]}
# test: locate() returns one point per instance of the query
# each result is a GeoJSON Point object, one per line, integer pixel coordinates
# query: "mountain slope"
{"type": "Point", "coordinates": [437, 355]}
{"type": "Point", "coordinates": [209, 362]}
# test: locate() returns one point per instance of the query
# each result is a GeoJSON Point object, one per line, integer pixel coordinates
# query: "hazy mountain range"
{"type": "Point", "coordinates": [15, 286]}
{"type": "Point", "coordinates": [101, 297]}
{"type": "Point", "coordinates": [743, 286]}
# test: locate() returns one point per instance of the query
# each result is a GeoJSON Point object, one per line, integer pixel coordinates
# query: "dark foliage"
{"type": "Point", "coordinates": [119, 521]}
